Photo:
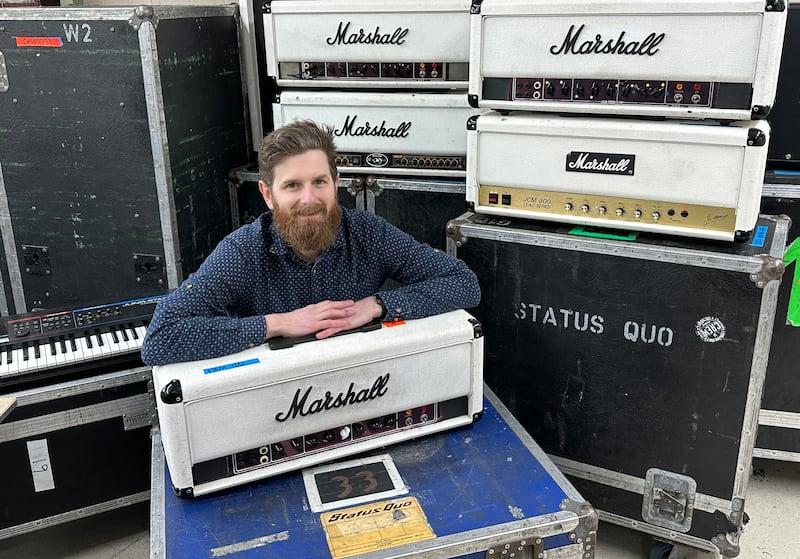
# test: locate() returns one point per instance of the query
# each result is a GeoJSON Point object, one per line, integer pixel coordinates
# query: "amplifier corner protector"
{"type": "Point", "coordinates": [475, 7]}
{"type": "Point", "coordinates": [472, 122]}
{"type": "Point", "coordinates": [276, 98]}
{"type": "Point", "coordinates": [266, 6]}
{"type": "Point", "coordinates": [472, 99]}
{"type": "Point", "coordinates": [776, 6]}
{"type": "Point", "coordinates": [756, 137]}
{"type": "Point", "coordinates": [477, 416]}
{"type": "Point", "coordinates": [185, 493]}
{"type": "Point", "coordinates": [172, 393]}
{"type": "Point", "coordinates": [477, 327]}
{"type": "Point", "coordinates": [760, 112]}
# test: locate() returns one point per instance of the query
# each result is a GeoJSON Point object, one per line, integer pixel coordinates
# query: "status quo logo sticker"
{"type": "Point", "coordinates": [710, 329]}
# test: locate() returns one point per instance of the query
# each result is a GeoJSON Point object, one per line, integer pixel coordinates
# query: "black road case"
{"type": "Point", "coordinates": [119, 128]}
{"type": "Point", "coordinates": [637, 364]}
{"type": "Point", "coordinates": [779, 418]}
{"type": "Point", "coordinates": [74, 449]}
{"type": "Point", "coordinates": [420, 207]}
{"type": "Point", "coordinates": [784, 143]}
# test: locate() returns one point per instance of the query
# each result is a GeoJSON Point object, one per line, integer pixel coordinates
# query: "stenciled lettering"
{"type": "Point", "coordinates": [571, 45]}
{"type": "Point", "coordinates": [302, 405]}
{"type": "Point", "coordinates": [367, 129]}
{"type": "Point", "coordinates": [561, 318]}
{"type": "Point", "coordinates": [360, 37]}
{"type": "Point", "coordinates": [648, 333]}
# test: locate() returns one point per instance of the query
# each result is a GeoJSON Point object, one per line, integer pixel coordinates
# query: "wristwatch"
{"type": "Point", "coordinates": [384, 310]}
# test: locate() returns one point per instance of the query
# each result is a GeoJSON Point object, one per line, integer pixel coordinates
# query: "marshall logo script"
{"type": "Point", "coordinates": [599, 45]}
{"type": "Point", "coordinates": [367, 129]}
{"type": "Point", "coordinates": [303, 405]}
{"type": "Point", "coordinates": [606, 163]}
{"type": "Point", "coordinates": [344, 37]}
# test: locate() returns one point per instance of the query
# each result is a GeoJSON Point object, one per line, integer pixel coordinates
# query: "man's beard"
{"type": "Point", "coordinates": [308, 235]}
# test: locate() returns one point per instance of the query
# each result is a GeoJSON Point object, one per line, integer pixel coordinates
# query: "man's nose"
{"type": "Point", "coordinates": [308, 196]}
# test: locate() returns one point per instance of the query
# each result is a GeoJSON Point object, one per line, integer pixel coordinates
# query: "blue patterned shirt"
{"type": "Point", "coordinates": [220, 309]}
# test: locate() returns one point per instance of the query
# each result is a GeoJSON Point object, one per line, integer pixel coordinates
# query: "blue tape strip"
{"type": "Point", "coordinates": [231, 366]}
{"type": "Point", "coordinates": [760, 236]}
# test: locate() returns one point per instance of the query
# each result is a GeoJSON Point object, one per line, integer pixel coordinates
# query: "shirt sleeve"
{"type": "Point", "coordinates": [434, 282]}
{"type": "Point", "coordinates": [202, 318]}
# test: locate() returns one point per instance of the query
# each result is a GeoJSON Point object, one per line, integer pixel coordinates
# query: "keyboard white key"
{"type": "Point", "coordinates": [90, 352]}
{"type": "Point", "coordinates": [61, 357]}
{"type": "Point", "coordinates": [40, 362]}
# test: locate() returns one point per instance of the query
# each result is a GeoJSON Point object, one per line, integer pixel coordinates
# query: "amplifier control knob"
{"type": "Point", "coordinates": [585, 208]}
{"type": "Point", "coordinates": [619, 212]}
{"type": "Point", "coordinates": [568, 207]}
{"type": "Point", "coordinates": [601, 210]}
{"type": "Point", "coordinates": [637, 213]}
{"type": "Point", "coordinates": [656, 216]}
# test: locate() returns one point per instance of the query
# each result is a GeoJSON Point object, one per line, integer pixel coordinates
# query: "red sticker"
{"type": "Point", "coordinates": [39, 42]}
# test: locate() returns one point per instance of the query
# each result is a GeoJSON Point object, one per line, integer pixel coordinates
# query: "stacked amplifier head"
{"type": "Point", "coordinates": [389, 77]}
{"type": "Point", "coordinates": [693, 81]}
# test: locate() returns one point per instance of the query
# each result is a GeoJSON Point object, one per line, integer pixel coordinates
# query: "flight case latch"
{"type": "Point", "coordinates": [669, 499]}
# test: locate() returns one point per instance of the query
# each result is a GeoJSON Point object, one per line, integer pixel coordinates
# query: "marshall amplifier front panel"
{"type": "Point", "coordinates": [408, 134]}
{"type": "Point", "coordinates": [364, 44]}
{"type": "Point", "coordinates": [714, 59]}
{"type": "Point", "coordinates": [689, 179]}
{"type": "Point", "coordinates": [326, 399]}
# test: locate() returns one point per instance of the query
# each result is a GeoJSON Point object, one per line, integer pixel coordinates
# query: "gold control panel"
{"type": "Point", "coordinates": [616, 211]}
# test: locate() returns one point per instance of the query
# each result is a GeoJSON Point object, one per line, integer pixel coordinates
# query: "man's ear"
{"type": "Point", "coordinates": [266, 194]}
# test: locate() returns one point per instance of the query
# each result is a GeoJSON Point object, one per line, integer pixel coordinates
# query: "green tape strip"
{"type": "Point", "coordinates": [793, 309]}
{"type": "Point", "coordinates": [598, 234]}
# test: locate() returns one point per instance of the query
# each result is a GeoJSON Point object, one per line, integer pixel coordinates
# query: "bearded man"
{"type": "Point", "coordinates": [306, 266]}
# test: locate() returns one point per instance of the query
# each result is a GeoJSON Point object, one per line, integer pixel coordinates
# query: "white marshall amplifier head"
{"type": "Point", "coordinates": [419, 44]}
{"type": "Point", "coordinates": [679, 178]}
{"type": "Point", "coordinates": [263, 411]}
{"type": "Point", "coordinates": [714, 59]}
{"type": "Point", "coordinates": [388, 133]}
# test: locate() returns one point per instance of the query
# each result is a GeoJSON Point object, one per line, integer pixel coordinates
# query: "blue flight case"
{"type": "Point", "coordinates": [485, 490]}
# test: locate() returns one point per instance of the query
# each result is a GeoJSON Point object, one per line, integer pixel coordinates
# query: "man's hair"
{"type": "Point", "coordinates": [295, 138]}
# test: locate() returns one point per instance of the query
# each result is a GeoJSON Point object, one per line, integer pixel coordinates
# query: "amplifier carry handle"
{"type": "Point", "coordinates": [280, 342]}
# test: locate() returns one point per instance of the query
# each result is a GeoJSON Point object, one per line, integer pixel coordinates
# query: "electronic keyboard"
{"type": "Point", "coordinates": [49, 343]}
